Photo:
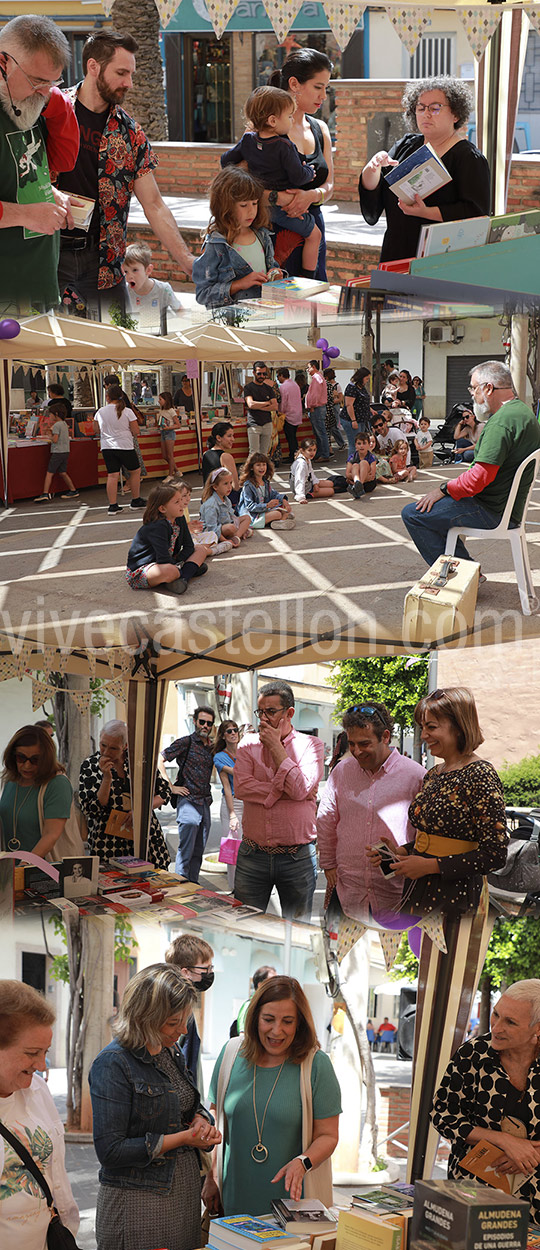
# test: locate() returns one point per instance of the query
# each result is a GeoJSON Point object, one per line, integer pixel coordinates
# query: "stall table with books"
{"type": "Point", "coordinates": [28, 462]}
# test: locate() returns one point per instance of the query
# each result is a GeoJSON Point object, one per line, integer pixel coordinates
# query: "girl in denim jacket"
{"type": "Point", "coordinates": [216, 511]}
{"type": "Point", "coordinates": [264, 504]}
{"type": "Point", "coordinates": [237, 255]}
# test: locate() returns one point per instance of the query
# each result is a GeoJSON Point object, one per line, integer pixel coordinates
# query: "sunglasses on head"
{"type": "Point", "coordinates": [366, 709]}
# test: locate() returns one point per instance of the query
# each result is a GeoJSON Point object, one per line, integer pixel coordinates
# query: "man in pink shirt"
{"type": "Point", "coordinates": [366, 798]}
{"type": "Point", "coordinates": [277, 774]}
{"type": "Point", "coordinates": [291, 407]}
{"type": "Point", "coordinates": [316, 397]}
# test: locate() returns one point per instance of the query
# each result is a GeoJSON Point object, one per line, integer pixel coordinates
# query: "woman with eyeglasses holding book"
{"type": "Point", "coordinates": [277, 1103]}
{"type": "Point", "coordinates": [36, 795]}
{"type": "Point", "coordinates": [459, 815]}
{"type": "Point", "coordinates": [435, 112]}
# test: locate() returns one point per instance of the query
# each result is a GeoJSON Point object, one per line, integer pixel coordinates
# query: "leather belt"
{"type": "Point", "coordinates": [273, 850]}
{"type": "Point", "coordinates": [431, 844]}
{"type": "Point", "coordinates": [76, 244]}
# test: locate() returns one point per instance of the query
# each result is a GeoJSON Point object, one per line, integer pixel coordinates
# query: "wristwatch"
{"type": "Point", "coordinates": [272, 198]}
{"type": "Point", "coordinates": [305, 1159]}
{"type": "Point", "coordinates": [444, 488]}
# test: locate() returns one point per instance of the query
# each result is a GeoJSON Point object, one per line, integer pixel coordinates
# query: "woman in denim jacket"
{"type": "Point", "coordinates": [149, 1124]}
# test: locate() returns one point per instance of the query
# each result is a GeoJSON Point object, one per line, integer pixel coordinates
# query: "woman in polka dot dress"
{"type": "Point", "coordinates": [459, 813]}
{"type": "Point", "coordinates": [491, 1092]}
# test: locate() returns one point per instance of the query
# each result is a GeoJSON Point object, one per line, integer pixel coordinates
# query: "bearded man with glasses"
{"type": "Point", "coordinates": [366, 799]}
{"type": "Point", "coordinates": [277, 774]}
{"type": "Point", "coordinates": [39, 138]}
{"type": "Point", "coordinates": [195, 760]}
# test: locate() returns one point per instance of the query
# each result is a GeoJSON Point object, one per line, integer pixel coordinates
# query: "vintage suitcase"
{"type": "Point", "coordinates": [440, 607]}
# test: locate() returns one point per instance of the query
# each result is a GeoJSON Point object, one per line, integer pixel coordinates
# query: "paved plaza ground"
{"type": "Point", "coordinates": [334, 585]}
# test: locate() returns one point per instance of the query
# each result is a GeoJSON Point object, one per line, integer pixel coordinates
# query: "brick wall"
{"type": "Point", "coordinates": [394, 1110]}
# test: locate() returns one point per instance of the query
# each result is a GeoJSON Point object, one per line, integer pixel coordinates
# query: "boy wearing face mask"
{"type": "Point", "coordinates": [192, 956]}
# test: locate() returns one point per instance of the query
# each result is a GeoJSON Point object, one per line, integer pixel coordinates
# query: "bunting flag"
{"type": "Point", "coordinates": [220, 13]}
{"type": "Point", "coordinates": [50, 656]}
{"type": "Point", "coordinates": [107, 5]}
{"type": "Point", "coordinates": [432, 926]}
{"type": "Point", "coordinates": [126, 665]}
{"type": "Point", "coordinates": [110, 656]}
{"type": "Point", "coordinates": [282, 14]}
{"type": "Point", "coordinates": [409, 24]}
{"type": "Point", "coordinates": [82, 699]}
{"type": "Point", "coordinates": [533, 14]}
{"type": "Point", "coordinates": [343, 19]}
{"type": "Point", "coordinates": [22, 654]}
{"type": "Point", "coordinates": [499, 74]}
{"type": "Point", "coordinates": [479, 24]}
{"type": "Point", "coordinates": [8, 668]}
{"type": "Point", "coordinates": [350, 932]}
{"type": "Point", "coordinates": [41, 690]}
{"type": "Point", "coordinates": [118, 689]}
{"type": "Point", "coordinates": [91, 659]}
{"type": "Point", "coordinates": [390, 942]}
{"type": "Point", "coordinates": [166, 10]}
{"type": "Point", "coordinates": [61, 661]}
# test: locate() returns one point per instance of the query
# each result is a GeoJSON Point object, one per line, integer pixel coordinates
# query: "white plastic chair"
{"type": "Point", "coordinates": [516, 536]}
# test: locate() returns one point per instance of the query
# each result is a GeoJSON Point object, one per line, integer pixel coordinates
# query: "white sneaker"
{"type": "Point", "coordinates": [288, 523]}
{"type": "Point", "coordinates": [220, 548]}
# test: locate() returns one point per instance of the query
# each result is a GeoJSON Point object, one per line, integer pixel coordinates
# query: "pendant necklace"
{"type": "Point", "coordinates": [14, 844]}
{"type": "Point", "coordinates": [259, 1153]}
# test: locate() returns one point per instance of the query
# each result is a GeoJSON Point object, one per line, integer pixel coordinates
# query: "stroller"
{"type": "Point", "coordinates": [443, 440]}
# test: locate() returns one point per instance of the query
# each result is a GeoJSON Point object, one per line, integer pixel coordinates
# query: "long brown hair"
{"type": "Point", "coordinates": [32, 736]}
{"type": "Point", "coordinates": [158, 497]}
{"type": "Point", "coordinates": [274, 991]}
{"type": "Point", "coordinates": [115, 396]}
{"type": "Point", "coordinates": [456, 704]}
{"type": "Point", "coordinates": [209, 485]}
{"type": "Point", "coordinates": [230, 186]}
{"type": "Point", "coordinates": [256, 457]}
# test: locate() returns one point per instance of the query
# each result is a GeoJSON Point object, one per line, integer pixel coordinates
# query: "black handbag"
{"type": "Point", "coordinates": [58, 1236]}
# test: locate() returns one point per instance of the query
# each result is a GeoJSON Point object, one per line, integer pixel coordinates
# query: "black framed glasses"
{"type": "Point", "coordinates": [204, 724]}
{"type": "Point", "coordinates": [267, 712]}
{"type": "Point", "coordinates": [26, 759]}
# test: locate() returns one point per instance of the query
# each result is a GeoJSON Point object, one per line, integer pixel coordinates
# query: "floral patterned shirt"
{"type": "Point", "coordinates": [124, 156]}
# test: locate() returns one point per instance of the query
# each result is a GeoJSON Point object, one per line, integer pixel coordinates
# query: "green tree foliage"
{"type": "Point", "coordinates": [397, 680]}
{"type": "Point", "coordinates": [124, 943]}
{"type": "Point", "coordinates": [406, 966]}
{"type": "Point", "coordinates": [513, 953]}
{"type": "Point", "coordinates": [521, 782]}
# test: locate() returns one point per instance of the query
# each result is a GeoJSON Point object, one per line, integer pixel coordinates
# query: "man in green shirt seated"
{"type": "Point", "coordinates": [478, 497]}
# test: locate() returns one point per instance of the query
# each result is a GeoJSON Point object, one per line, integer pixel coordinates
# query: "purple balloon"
{"type": "Point", "coordinates": [323, 344]}
{"type": "Point", "coordinates": [415, 940]}
{"type": "Point", "coordinates": [325, 360]}
{"type": "Point", "coordinates": [9, 329]}
{"type": "Point", "coordinates": [334, 352]}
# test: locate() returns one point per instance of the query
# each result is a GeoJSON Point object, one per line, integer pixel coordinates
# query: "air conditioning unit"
{"type": "Point", "coordinates": [438, 333]}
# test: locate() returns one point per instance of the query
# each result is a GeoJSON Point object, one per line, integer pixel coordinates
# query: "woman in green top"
{"type": "Point", "coordinates": [263, 1157]}
{"type": "Point", "coordinates": [31, 766]}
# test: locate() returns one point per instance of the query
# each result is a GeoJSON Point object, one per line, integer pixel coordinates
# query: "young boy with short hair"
{"type": "Point", "coordinates": [424, 443]}
{"type": "Point", "coordinates": [148, 297]}
{"type": "Point", "coordinates": [192, 956]}
{"type": "Point", "coordinates": [360, 468]}
{"type": "Point", "coordinates": [58, 436]}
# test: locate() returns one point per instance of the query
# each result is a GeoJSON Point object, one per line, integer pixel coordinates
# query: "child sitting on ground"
{"type": "Point", "coordinates": [216, 510]}
{"type": "Point", "coordinates": [383, 472]}
{"type": "Point", "coordinates": [402, 472]}
{"type": "Point", "coordinates": [208, 538]}
{"type": "Point", "coordinates": [360, 469]}
{"type": "Point", "coordinates": [424, 444]}
{"type": "Point", "coordinates": [304, 482]}
{"type": "Point", "coordinates": [237, 255]}
{"type": "Point", "coordinates": [162, 555]}
{"type": "Point", "coordinates": [274, 160]}
{"type": "Point", "coordinates": [148, 298]}
{"type": "Point", "coordinates": [264, 504]}
{"type": "Point", "coordinates": [58, 436]}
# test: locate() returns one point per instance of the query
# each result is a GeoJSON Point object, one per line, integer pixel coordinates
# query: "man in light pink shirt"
{"type": "Point", "coordinates": [366, 798]}
{"type": "Point", "coordinates": [291, 407]}
{"type": "Point", "coordinates": [316, 397]}
{"type": "Point", "coordinates": [277, 774]}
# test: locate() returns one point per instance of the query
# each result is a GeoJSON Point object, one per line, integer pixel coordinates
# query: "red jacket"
{"type": "Point", "coordinates": [63, 136]}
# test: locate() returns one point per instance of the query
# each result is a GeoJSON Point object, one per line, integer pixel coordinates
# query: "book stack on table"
{"type": "Point", "coordinates": [245, 1232]}
{"type": "Point", "coordinates": [380, 1219]}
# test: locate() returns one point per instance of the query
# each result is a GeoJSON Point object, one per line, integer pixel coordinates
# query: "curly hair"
{"type": "Point", "coordinates": [256, 457]}
{"type": "Point", "coordinates": [458, 97]}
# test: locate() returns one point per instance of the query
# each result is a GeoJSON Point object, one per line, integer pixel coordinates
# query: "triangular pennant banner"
{"type": "Point", "coordinates": [350, 932]}
{"type": "Point", "coordinates": [41, 690]}
{"type": "Point", "coordinates": [343, 20]}
{"type": "Point", "coordinates": [409, 24]}
{"type": "Point", "coordinates": [107, 5]}
{"type": "Point", "coordinates": [282, 14]}
{"type": "Point", "coordinates": [432, 927]}
{"type": "Point", "coordinates": [8, 668]}
{"type": "Point", "coordinates": [533, 14]}
{"type": "Point", "coordinates": [118, 689]}
{"type": "Point", "coordinates": [22, 657]}
{"type": "Point", "coordinates": [220, 13]}
{"type": "Point", "coordinates": [480, 24]}
{"type": "Point", "coordinates": [50, 656]}
{"type": "Point", "coordinates": [82, 699]}
{"type": "Point", "coordinates": [126, 665]}
{"type": "Point", "coordinates": [61, 661]}
{"type": "Point", "coordinates": [166, 10]}
{"type": "Point", "coordinates": [91, 661]}
{"type": "Point", "coordinates": [390, 942]}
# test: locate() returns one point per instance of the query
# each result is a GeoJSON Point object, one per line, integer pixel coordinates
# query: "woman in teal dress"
{"type": "Point", "coordinates": [264, 1156]}
{"type": "Point", "coordinates": [36, 794]}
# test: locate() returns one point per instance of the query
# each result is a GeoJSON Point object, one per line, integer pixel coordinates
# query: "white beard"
{"type": "Point", "coordinates": [481, 411]}
{"type": "Point", "coordinates": [30, 109]}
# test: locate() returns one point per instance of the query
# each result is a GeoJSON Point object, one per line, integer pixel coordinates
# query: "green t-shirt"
{"type": "Point", "coordinates": [19, 814]}
{"type": "Point", "coordinates": [247, 1187]}
{"type": "Point", "coordinates": [509, 436]}
{"type": "Point", "coordinates": [28, 261]}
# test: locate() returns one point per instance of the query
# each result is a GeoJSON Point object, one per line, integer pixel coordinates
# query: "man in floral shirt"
{"type": "Point", "coordinates": [115, 161]}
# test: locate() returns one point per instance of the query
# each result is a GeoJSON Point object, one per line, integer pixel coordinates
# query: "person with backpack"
{"type": "Point", "coordinates": [195, 760]}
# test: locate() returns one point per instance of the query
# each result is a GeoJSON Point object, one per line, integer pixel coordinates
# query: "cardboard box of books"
{"type": "Point", "coordinates": [463, 1215]}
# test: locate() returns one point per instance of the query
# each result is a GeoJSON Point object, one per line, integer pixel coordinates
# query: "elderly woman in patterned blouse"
{"type": "Point", "coordinates": [491, 1092]}
{"type": "Point", "coordinates": [105, 793]}
{"type": "Point", "coordinates": [459, 813]}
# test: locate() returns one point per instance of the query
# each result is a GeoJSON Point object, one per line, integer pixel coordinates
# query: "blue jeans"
{"type": "Point", "coordinates": [193, 820]}
{"type": "Point", "coordinates": [318, 422]}
{"type": "Point", "coordinates": [351, 432]}
{"type": "Point", "coordinates": [428, 530]}
{"type": "Point", "coordinates": [294, 876]}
